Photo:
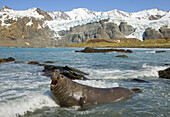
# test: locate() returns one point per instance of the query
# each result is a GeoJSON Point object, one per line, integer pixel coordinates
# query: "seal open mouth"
{"type": "Point", "coordinates": [53, 83]}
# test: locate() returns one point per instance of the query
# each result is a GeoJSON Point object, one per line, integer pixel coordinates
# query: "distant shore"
{"type": "Point", "coordinates": [123, 43]}
{"type": "Point", "coordinates": [106, 43]}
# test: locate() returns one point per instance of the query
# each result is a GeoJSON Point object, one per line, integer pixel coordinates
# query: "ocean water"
{"type": "Point", "coordinates": [25, 92]}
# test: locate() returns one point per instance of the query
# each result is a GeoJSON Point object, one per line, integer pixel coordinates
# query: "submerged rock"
{"type": "Point", "coordinates": [164, 73]}
{"type": "Point", "coordinates": [10, 59]}
{"type": "Point", "coordinates": [123, 56]}
{"type": "Point", "coordinates": [166, 64]}
{"type": "Point", "coordinates": [93, 50]}
{"type": "Point", "coordinates": [140, 80]}
{"type": "Point", "coordinates": [19, 62]}
{"type": "Point", "coordinates": [34, 62]}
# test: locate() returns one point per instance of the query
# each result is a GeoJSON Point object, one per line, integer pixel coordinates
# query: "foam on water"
{"type": "Point", "coordinates": [29, 103]}
{"type": "Point", "coordinates": [150, 51]}
{"type": "Point", "coordinates": [97, 83]}
{"type": "Point", "coordinates": [145, 71]}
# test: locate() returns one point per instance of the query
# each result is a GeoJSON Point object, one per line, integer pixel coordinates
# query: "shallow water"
{"type": "Point", "coordinates": [24, 91]}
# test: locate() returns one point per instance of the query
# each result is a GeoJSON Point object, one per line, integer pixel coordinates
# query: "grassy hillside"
{"type": "Point", "coordinates": [124, 43]}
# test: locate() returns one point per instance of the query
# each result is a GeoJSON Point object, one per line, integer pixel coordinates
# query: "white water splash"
{"type": "Point", "coordinates": [17, 107]}
{"type": "Point", "coordinates": [98, 83]}
{"type": "Point", "coordinates": [150, 51]}
{"type": "Point", "coordinates": [146, 71]}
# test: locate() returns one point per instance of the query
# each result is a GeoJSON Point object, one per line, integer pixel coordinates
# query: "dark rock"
{"type": "Point", "coordinates": [166, 64]}
{"type": "Point", "coordinates": [10, 59]}
{"type": "Point", "coordinates": [34, 62]}
{"type": "Point", "coordinates": [48, 69]}
{"type": "Point", "coordinates": [103, 21]}
{"type": "Point", "coordinates": [165, 31]}
{"type": "Point", "coordinates": [160, 51]}
{"type": "Point", "coordinates": [155, 17]}
{"type": "Point", "coordinates": [41, 64]}
{"type": "Point", "coordinates": [164, 73]}
{"type": "Point", "coordinates": [75, 70]}
{"type": "Point", "coordinates": [113, 31]}
{"type": "Point", "coordinates": [152, 34]}
{"type": "Point", "coordinates": [72, 75]}
{"type": "Point", "coordinates": [51, 68]}
{"type": "Point", "coordinates": [92, 50]}
{"type": "Point", "coordinates": [67, 71]}
{"type": "Point", "coordinates": [126, 29]}
{"type": "Point", "coordinates": [129, 51]}
{"type": "Point", "coordinates": [123, 56]}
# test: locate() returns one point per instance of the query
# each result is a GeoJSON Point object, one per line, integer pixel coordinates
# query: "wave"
{"type": "Point", "coordinates": [97, 83]}
{"type": "Point", "coordinates": [150, 51]}
{"type": "Point", "coordinates": [17, 107]}
{"type": "Point", "coordinates": [145, 71]}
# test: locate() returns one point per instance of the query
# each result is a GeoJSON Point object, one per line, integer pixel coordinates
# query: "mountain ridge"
{"type": "Point", "coordinates": [56, 26]}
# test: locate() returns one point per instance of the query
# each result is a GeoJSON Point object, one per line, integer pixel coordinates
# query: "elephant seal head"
{"type": "Point", "coordinates": [55, 77]}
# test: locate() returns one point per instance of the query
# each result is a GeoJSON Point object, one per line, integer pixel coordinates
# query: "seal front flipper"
{"type": "Point", "coordinates": [85, 105]}
{"type": "Point", "coordinates": [82, 101]}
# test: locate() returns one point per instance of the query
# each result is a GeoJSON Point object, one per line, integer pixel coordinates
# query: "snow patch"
{"type": "Point", "coordinates": [56, 35]}
{"type": "Point", "coordinates": [29, 23]}
{"type": "Point", "coordinates": [39, 27]}
{"type": "Point", "coordinates": [27, 43]}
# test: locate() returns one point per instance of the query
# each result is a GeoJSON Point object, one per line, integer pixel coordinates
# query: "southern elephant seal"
{"type": "Point", "coordinates": [68, 93]}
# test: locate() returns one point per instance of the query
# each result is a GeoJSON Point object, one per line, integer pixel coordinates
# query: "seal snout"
{"type": "Point", "coordinates": [55, 77]}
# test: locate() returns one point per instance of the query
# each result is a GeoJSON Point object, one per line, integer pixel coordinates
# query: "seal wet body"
{"type": "Point", "coordinates": [68, 93]}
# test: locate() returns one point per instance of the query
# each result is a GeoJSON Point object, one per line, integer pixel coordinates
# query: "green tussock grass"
{"type": "Point", "coordinates": [124, 42]}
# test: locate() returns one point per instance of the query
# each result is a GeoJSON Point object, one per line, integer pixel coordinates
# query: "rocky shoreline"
{"type": "Point", "coordinates": [70, 72]}
{"type": "Point", "coordinates": [73, 73]}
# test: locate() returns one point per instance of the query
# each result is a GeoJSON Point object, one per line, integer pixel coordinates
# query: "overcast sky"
{"type": "Point", "coordinates": [94, 5]}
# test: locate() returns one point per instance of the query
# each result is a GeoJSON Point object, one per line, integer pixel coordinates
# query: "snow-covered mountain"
{"type": "Point", "coordinates": [59, 20]}
{"type": "Point", "coordinates": [153, 18]}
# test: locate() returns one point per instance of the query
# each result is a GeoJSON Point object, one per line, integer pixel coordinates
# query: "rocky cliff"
{"type": "Point", "coordinates": [37, 28]}
{"type": "Point", "coordinates": [156, 34]}
{"type": "Point", "coordinates": [101, 29]}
